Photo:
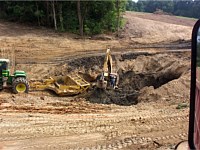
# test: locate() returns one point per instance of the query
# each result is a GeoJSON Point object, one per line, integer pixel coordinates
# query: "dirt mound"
{"type": "Point", "coordinates": [144, 72]}
{"type": "Point", "coordinates": [153, 70]}
{"type": "Point", "coordinates": [176, 91]}
{"type": "Point", "coordinates": [119, 97]}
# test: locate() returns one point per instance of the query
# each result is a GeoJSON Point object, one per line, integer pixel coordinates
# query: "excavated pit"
{"type": "Point", "coordinates": [130, 86]}
{"type": "Point", "coordinates": [136, 71]}
{"type": "Point", "coordinates": [139, 73]}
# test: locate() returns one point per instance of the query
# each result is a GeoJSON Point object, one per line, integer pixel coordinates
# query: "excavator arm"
{"type": "Point", "coordinates": [107, 76]}
{"type": "Point", "coordinates": [107, 66]}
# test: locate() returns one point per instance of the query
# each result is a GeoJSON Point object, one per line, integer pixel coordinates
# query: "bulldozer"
{"type": "Point", "coordinates": [108, 78]}
{"type": "Point", "coordinates": [16, 81]}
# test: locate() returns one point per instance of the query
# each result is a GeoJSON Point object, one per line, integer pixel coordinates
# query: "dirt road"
{"type": "Point", "coordinates": [140, 126]}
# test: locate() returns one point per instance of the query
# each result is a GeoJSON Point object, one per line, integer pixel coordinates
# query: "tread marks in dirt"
{"type": "Point", "coordinates": [129, 141]}
{"type": "Point", "coordinates": [113, 136]}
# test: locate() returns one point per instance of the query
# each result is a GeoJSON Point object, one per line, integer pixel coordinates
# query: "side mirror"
{"type": "Point", "coordinates": [182, 146]}
{"type": "Point", "coordinates": [194, 120]}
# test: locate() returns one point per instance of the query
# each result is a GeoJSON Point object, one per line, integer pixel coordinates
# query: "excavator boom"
{"type": "Point", "coordinates": [107, 77]}
{"type": "Point", "coordinates": [107, 66]}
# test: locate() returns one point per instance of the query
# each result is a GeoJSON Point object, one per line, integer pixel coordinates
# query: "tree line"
{"type": "Point", "coordinates": [89, 17]}
{"type": "Point", "coordinates": [83, 17]}
{"type": "Point", "coordinates": [186, 8]}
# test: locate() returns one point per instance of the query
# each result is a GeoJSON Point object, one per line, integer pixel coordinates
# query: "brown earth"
{"type": "Point", "coordinates": [144, 29]}
{"type": "Point", "coordinates": [177, 20]}
{"type": "Point", "coordinates": [148, 111]}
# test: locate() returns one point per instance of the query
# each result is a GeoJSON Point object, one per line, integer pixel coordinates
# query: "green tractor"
{"type": "Point", "coordinates": [17, 81]}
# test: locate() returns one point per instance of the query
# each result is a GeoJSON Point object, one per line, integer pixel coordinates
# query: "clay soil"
{"type": "Point", "coordinates": [148, 111]}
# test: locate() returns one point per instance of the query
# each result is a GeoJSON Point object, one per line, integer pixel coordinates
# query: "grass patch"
{"type": "Point", "coordinates": [182, 106]}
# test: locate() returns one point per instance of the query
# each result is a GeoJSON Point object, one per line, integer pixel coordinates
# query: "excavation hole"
{"type": "Point", "coordinates": [135, 74]}
{"type": "Point", "coordinates": [129, 88]}
{"type": "Point", "coordinates": [133, 81]}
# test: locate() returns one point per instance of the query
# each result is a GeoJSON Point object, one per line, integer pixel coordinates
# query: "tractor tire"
{"type": "Point", "coordinates": [20, 85]}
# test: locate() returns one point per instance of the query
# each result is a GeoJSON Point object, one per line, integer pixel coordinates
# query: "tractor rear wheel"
{"type": "Point", "coordinates": [20, 85]}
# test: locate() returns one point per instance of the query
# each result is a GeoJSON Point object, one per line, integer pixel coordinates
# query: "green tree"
{"type": "Point", "coordinates": [90, 17]}
{"type": "Point", "coordinates": [131, 6]}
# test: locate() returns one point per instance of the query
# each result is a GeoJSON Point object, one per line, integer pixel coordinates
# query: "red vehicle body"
{"type": "Point", "coordinates": [197, 115]}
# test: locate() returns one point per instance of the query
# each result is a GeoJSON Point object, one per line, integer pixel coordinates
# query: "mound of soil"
{"type": "Point", "coordinates": [110, 96]}
{"type": "Point", "coordinates": [177, 91]}
{"type": "Point", "coordinates": [145, 73]}
{"type": "Point", "coordinates": [153, 71]}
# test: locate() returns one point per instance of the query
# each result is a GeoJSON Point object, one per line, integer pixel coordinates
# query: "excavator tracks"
{"type": "Point", "coordinates": [95, 131]}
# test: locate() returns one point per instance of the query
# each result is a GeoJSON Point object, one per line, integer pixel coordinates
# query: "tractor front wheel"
{"type": "Point", "coordinates": [20, 85]}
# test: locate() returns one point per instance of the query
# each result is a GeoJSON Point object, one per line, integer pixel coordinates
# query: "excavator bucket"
{"type": "Point", "coordinates": [62, 85]}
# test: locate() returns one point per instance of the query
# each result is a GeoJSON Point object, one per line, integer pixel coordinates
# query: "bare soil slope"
{"type": "Point", "coordinates": [152, 28]}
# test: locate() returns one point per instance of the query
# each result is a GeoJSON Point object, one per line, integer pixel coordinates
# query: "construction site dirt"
{"type": "Point", "coordinates": [149, 110]}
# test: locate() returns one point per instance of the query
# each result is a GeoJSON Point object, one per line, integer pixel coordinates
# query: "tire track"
{"type": "Point", "coordinates": [86, 127]}
{"type": "Point", "coordinates": [131, 140]}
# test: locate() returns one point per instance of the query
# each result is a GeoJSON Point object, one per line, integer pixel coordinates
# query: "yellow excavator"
{"type": "Point", "coordinates": [108, 77]}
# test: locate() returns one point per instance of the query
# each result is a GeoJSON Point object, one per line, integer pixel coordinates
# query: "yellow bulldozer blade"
{"type": "Point", "coordinates": [62, 85]}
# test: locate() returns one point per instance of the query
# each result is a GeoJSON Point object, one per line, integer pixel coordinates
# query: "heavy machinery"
{"type": "Point", "coordinates": [74, 84]}
{"type": "Point", "coordinates": [62, 85]}
{"type": "Point", "coordinates": [17, 81]}
{"type": "Point", "coordinates": [108, 77]}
